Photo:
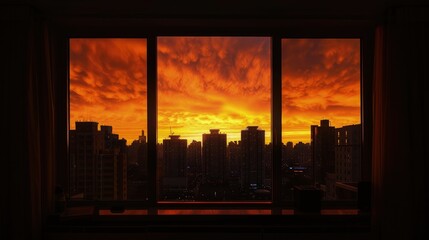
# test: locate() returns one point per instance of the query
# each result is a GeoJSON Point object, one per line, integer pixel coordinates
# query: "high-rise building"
{"type": "Point", "coordinates": [234, 159]}
{"type": "Point", "coordinates": [323, 151]}
{"type": "Point", "coordinates": [302, 154]}
{"type": "Point", "coordinates": [214, 156]}
{"type": "Point", "coordinates": [268, 164]}
{"type": "Point", "coordinates": [112, 167]}
{"type": "Point", "coordinates": [348, 153]}
{"type": "Point", "coordinates": [234, 166]}
{"type": "Point", "coordinates": [194, 164]}
{"type": "Point", "coordinates": [85, 145]}
{"type": "Point", "coordinates": [110, 139]}
{"type": "Point", "coordinates": [174, 180]}
{"type": "Point", "coordinates": [287, 155]}
{"type": "Point", "coordinates": [252, 150]}
{"type": "Point", "coordinates": [98, 161]}
{"type": "Point", "coordinates": [174, 156]}
{"type": "Point", "coordinates": [137, 168]}
{"type": "Point", "coordinates": [137, 152]}
{"type": "Point", "coordinates": [142, 152]}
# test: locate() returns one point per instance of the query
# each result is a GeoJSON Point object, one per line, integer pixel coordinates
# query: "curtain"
{"type": "Point", "coordinates": [41, 125]}
{"type": "Point", "coordinates": [41, 120]}
{"type": "Point", "coordinates": [27, 124]}
{"type": "Point", "coordinates": [401, 131]}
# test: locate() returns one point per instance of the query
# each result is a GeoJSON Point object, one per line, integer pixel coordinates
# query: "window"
{"type": "Point", "coordinates": [228, 121]}
{"type": "Point", "coordinates": [108, 119]}
{"type": "Point", "coordinates": [214, 118]}
{"type": "Point", "coordinates": [321, 96]}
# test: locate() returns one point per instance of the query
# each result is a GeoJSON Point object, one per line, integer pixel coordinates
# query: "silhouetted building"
{"type": "Point", "coordinates": [268, 165]}
{"type": "Point", "coordinates": [85, 145]}
{"type": "Point", "coordinates": [137, 152]}
{"type": "Point", "coordinates": [174, 181]}
{"type": "Point", "coordinates": [109, 138]}
{"type": "Point", "coordinates": [323, 150]}
{"type": "Point", "coordinates": [98, 161]}
{"type": "Point", "coordinates": [159, 169]}
{"type": "Point", "coordinates": [142, 152]}
{"type": "Point", "coordinates": [252, 149]}
{"type": "Point", "coordinates": [348, 153]}
{"type": "Point", "coordinates": [234, 159]}
{"type": "Point", "coordinates": [174, 156]}
{"type": "Point", "coordinates": [214, 156]}
{"type": "Point", "coordinates": [194, 163]}
{"type": "Point", "coordinates": [287, 155]}
{"type": "Point", "coordinates": [112, 167]}
{"type": "Point", "coordinates": [302, 154]}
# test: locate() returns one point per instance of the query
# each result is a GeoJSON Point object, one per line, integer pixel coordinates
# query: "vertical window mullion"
{"type": "Point", "coordinates": [367, 47]}
{"type": "Point", "coordinates": [152, 121]}
{"type": "Point", "coordinates": [276, 121]}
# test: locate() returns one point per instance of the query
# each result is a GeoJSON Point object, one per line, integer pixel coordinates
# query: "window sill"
{"type": "Point", "coordinates": [209, 220]}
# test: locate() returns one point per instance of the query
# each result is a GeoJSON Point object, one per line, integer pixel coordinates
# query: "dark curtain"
{"type": "Point", "coordinates": [401, 125]}
{"type": "Point", "coordinates": [27, 124]}
{"type": "Point", "coordinates": [41, 123]}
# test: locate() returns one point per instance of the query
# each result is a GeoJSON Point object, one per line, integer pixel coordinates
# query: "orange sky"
{"type": "Point", "coordinates": [108, 84]}
{"type": "Point", "coordinates": [320, 80]}
{"type": "Point", "coordinates": [214, 82]}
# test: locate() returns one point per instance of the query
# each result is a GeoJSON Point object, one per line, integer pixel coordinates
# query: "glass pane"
{"type": "Point", "coordinates": [321, 123]}
{"type": "Point", "coordinates": [108, 119]}
{"type": "Point", "coordinates": [214, 118]}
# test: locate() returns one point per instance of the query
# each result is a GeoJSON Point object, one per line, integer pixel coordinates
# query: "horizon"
{"type": "Point", "coordinates": [215, 81]}
{"type": "Point", "coordinates": [160, 141]}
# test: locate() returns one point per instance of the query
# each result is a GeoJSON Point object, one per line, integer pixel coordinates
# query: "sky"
{"type": "Point", "coordinates": [214, 83]}
{"type": "Point", "coordinates": [320, 80]}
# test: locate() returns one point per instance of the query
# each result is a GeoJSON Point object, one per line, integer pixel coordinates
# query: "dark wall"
{"type": "Point", "coordinates": [402, 97]}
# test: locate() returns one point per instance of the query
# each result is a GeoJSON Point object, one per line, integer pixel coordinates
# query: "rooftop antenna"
{"type": "Point", "coordinates": [171, 133]}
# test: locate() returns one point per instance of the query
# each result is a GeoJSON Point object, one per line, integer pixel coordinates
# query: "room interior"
{"type": "Point", "coordinates": [34, 103]}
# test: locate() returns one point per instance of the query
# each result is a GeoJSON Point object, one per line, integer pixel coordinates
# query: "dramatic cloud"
{"type": "Point", "coordinates": [320, 80]}
{"type": "Point", "coordinates": [214, 82]}
{"type": "Point", "coordinates": [108, 84]}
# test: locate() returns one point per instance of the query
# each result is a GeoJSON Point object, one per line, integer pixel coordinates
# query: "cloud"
{"type": "Point", "coordinates": [320, 79]}
{"type": "Point", "coordinates": [108, 82]}
{"type": "Point", "coordinates": [221, 82]}
{"type": "Point", "coordinates": [214, 82]}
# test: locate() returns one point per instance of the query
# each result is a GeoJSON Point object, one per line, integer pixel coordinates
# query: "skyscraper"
{"type": "Point", "coordinates": [252, 150]}
{"type": "Point", "coordinates": [85, 145]}
{"type": "Point", "coordinates": [194, 159]}
{"type": "Point", "coordinates": [323, 151]}
{"type": "Point", "coordinates": [98, 163]}
{"type": "Point", "coordinates": [214, 156]}
{"type": "Point", "coordinates": [112, 166]}
{"type": "Point", "coordinates": [137, 152]}
{"type": "Point", "coordinates": [302, 154]}
{"type": "Point", "coordinates": [174, 180]}
{"type": "Point", "coordinates": [137, 168]}
{"type": "Point", "coordinates": [348, 153]}
{"type": "Point", "coordinates": [174, 155]}
{"type": "Point", "coordinates": [287, 154]}
{"type": "Point", "coordinates": [234, 159]}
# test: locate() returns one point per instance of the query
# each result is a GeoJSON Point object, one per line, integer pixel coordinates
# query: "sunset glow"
{"type": "Point", "coordinates": [214, 82]}
{"type": "Point", "coordinates": [320, 80]}
{"type": "Point", "coordinates": [108, 84]}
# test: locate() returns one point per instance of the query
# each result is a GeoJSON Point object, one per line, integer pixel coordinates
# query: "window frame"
{"type": "Point", "coordinates": [276, 29]}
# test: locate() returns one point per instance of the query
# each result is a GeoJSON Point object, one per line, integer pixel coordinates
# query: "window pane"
{"type": "Point", "coordinates": [321, 123]}
{"type": "Point", "coordinates": [108, 119]}
{"type": "Point", "coordinates": [214, 118]}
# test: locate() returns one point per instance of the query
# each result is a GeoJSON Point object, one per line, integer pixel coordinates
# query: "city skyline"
{"type": "Point", "coordinates": [213, 169]}
{"type": "Point", "coordinates": [176, 135]}
{"type": "Point", "coordinates": [220, 81]}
